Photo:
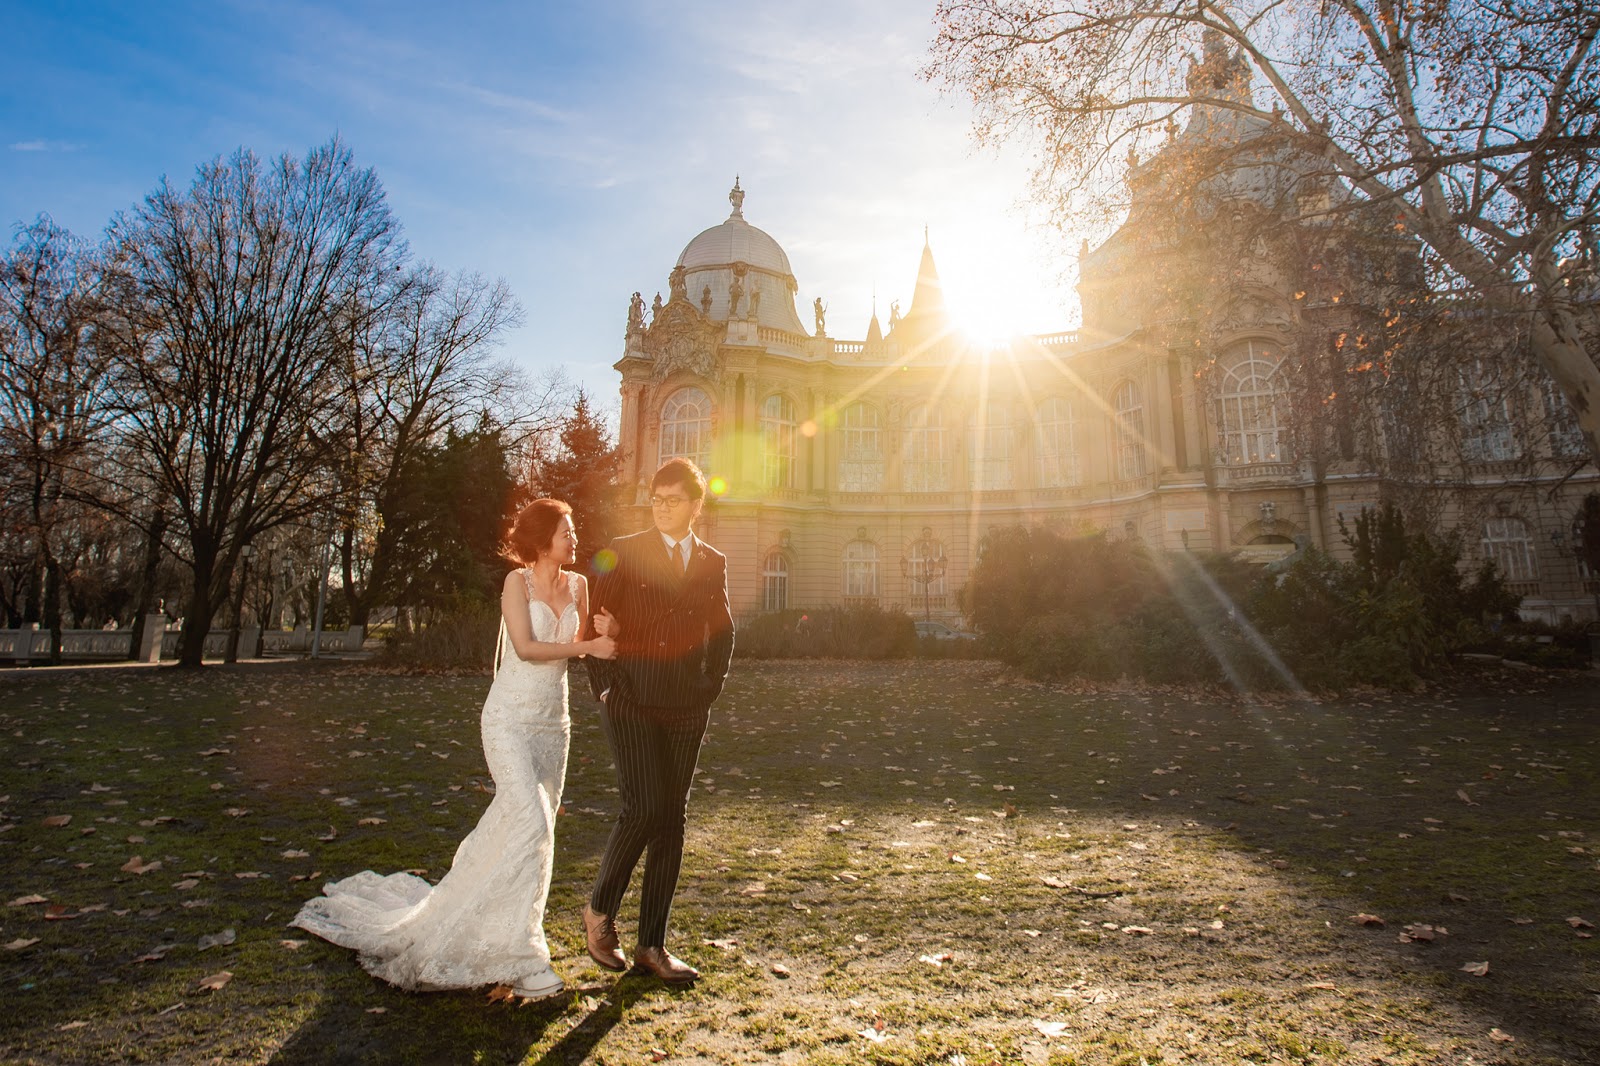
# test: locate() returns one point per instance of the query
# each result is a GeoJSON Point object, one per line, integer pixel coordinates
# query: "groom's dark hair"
{"type": "Point", "coordinates": [680, 472]}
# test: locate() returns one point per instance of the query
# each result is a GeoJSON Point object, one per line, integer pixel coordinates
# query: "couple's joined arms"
{"type": "Point", "coordinates": [514, 608]}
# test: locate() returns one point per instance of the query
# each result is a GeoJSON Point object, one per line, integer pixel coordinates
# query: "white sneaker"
{"type": "Point", "coordinates": [541, 985]}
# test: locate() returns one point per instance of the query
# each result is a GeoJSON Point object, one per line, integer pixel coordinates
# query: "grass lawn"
{"type": "Point", "coordinates": [893, 863]}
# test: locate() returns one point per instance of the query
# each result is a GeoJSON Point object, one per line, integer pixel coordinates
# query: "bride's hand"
{"type": "Point", "coordinates": [603, 647]}
{"type": "Point", "coordinates": [606, 625]}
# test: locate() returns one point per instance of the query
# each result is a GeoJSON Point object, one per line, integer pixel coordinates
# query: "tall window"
{"type": "Point", "coordinates": [927, 458]}
{"type": "Point", "coordinates": [1251, 396]}
{"type": "Point", "coordinates": [1566, 440]}
{"type": "Point", "coordinates": [861, 570]}
{"type": "Point", "coordinates": [1129, 406]}
{"type": "Point", "coordinates": [775, 582]}
{"type": "Point", "coordinates": [1506, 541]}
{"type": "Point", "coordinates": [1485, 401]}
{"type": "Point", "coordinates": [1057, 446]}
{"type": "Point", "coordinates": [686, 427]}
{"type": "Point", "coordinates": [777, 442]}
{"type": "Point", "coordinates": [860, 449]}
{"type": "Point", "coordinates": [989, 446]}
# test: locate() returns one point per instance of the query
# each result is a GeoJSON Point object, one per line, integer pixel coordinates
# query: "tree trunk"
{"type": "Point", "coordinates": [197, 618]}
{"type": "Point", "coordinates": [147, 579]}
{"type": "Point", "coordinates": [52, 605]}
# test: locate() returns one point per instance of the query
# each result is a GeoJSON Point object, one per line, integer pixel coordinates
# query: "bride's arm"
{"type": "Point", "coordinates": [519, 628]}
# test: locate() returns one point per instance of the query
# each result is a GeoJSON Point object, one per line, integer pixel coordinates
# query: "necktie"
{"type": "Point", "coordinates": [684, 548]}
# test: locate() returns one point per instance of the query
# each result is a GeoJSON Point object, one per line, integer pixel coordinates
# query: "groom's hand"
{"type": "Point", "coordinates": [605, 624]}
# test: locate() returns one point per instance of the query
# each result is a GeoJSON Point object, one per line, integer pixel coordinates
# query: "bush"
{"type": "Point", "coordinates": [827, 633]}
{"type": "Point", "coordinates": [1086, 606]}
{"type": "Point", "coordinates": [461, 638]}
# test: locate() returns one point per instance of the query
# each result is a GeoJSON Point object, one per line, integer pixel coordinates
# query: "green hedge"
{"type": "Point", "coordinates": [827, 633]}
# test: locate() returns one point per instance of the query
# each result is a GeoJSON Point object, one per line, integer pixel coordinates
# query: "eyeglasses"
{"type": "Point", "coordinates": [670, 502]}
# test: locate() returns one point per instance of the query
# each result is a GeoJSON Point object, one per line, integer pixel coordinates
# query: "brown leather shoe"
{"type": "Point", "coordinates": [600, 934]}
{"type": "Point", "coordinates": [656, 961]}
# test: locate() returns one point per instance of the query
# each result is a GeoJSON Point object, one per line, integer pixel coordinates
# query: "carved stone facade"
{"type": "Point", "coordinates": [870, 470]}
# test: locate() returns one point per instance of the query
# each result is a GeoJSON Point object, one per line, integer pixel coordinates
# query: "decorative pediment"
{"type": "Point", "coordinates": [681, 337]}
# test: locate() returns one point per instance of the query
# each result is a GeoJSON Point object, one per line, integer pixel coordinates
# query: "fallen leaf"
{"type": "Point", "coordinates": [1367, 919]}
{"type": "Point", "coordinates": [935, 960]}
{"type": "Point", "coordinates": [1580, 923]}
{"type": "Point", "coordinates": [779, 969]}
{"type": "Point", "coordinates": [215, 751]}
{"type": "Point", "coordinates": [56, 821]}
{"type": "Point", "coordinates": [294, 853]}
{"type": "Point", "coordinates": [1501, 1037]}
{"type": "Point", "coordinates": [1050, 1029]}
{"type": "Point", "coordinates": [331, 834]}
{"type": "Point", "coordinates": [727, 943]}
{"type": "Point", "coordinates": [217, 940]}
{"type": "Point", "coordinates": [214, 983]}
{"type": "Point", "coordinates": [500, 993]}
{"type": "Point", "coordinates": [22, 942]}
{"type": "Point", "coordinates": [186, 883]}
{"type": "Point", "coordinates": [64, 1026]}
{"type": "Point", "coordinates": [1477, 969]}
{"type": "Point", "coordinates": [23, 901]}
{"type": "Point", "coordinates": [377, 1010]}
{"type": "Point", "coordinates": [137, 865]}
{"type": "Point", "coordinates": [371, 821]}
{"type": "Point", "coordinates": [1054, 882]}
{"type": "Point", "coordinates": [293, 945]}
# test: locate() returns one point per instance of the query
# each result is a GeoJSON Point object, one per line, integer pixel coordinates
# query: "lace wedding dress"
{"type": "Point", "coordinates": [483, 923]}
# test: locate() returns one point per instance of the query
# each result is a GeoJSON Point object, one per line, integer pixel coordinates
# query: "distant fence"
{"type": "Point", "coordinates": [116, 645]}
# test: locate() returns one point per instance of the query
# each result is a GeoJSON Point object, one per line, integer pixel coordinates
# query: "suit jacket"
{"type": "Point", "coordinates": [677, 630]}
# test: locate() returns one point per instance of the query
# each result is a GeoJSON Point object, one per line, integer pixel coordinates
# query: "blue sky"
{"type": "Point", "coordinates": [572, 149]}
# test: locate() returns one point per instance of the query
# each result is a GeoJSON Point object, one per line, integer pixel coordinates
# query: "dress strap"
{"type": "Point", "coordinates": [527, 583]}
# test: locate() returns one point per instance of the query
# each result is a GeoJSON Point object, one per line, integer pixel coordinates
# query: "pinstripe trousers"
{"type": "Point", "coordinates": [656, 749]}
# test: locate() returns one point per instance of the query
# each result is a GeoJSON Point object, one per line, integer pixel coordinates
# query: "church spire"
{"type": "Point", "coordinates": [928, 298]}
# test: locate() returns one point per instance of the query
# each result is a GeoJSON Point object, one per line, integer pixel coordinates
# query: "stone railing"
{"type": "Point", "coordinates": [116, 645]}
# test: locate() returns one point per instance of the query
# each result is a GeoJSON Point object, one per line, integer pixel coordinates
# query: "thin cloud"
{"type": "Point", "coordinates": [44, 146]}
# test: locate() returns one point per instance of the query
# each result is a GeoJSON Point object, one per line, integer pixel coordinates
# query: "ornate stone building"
{"type": "Point", "coordinates": [1191, 410]}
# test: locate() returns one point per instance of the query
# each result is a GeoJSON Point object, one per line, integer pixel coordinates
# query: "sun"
{"type": "Point", "coordinates": [995, 287]}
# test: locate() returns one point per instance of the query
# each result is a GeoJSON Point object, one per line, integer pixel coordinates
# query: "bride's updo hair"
{"type": "Point", "coordinates": [533, 530]}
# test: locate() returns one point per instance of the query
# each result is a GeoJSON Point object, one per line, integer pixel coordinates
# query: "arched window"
{"type": "Point", "coordinates": [1129, 406]}
{"type": "Point", "coordinates": [861, 570]}
{"type": "Point", "coordinates": [1250, 397]}
{"type": "Point", "coordinates": [989, 437]}
{"type": "Point", "coordinates": [860, 449]}
{"type": "Point", "coordinates": [775, 582]}
{"type": "Point", "coordinates": [1506, 541]}
{"type": "Point", "coordinates": [777, 442]}
{"type": "Point", "coordinates": [686, 427]}
{"type": "Point", "coordinates": [1057, 447]}
{"type": "Point", "coordinates": [926, 467]}
{"type": "Point", "coordinates": [1485, 402]}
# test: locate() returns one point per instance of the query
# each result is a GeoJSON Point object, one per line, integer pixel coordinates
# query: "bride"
{"type": "Point", "coordinates": [483, 923]}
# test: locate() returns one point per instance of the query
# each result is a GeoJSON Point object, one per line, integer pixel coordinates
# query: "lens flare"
{"type": "Point", "coordinates": [718, 486]}
{"type": "Point", "coordinates": [604, 561]}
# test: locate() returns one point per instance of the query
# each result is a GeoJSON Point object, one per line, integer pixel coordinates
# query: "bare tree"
{"type": "Point", "coordinates": [422, 367]}
{"type": "Point", "coordinates": [234, 339]}
{"type": "Point", "coordinates": [1472, 127]}
{"type": "Point", "coordinates": [53, 400]}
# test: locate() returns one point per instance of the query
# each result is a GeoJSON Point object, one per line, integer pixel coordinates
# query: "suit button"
{"type": "Point", "coordinates": [663, 644]}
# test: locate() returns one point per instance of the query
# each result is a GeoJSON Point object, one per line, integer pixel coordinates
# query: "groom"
{"type": "Point", "coordinates": [668, 595]}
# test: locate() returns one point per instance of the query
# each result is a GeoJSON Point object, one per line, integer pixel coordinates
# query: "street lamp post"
{"type": "Point", "coordinates": [232, 655]}
{"type": "Point", "coordinates": [925, 566]}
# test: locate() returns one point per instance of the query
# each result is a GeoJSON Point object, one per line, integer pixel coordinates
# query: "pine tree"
{"type": "Point", "coordinates": [582, 465]}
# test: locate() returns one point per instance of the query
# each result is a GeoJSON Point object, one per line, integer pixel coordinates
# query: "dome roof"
{"type": "Point", "coordinates": [736, 241]}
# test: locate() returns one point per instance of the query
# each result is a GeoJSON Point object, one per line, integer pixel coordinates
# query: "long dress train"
{"type": "Point", "coordinates": [483, 923]}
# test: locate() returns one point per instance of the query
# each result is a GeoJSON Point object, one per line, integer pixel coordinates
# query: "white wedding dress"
{"type": "Point", "coordinates": [483, 923]}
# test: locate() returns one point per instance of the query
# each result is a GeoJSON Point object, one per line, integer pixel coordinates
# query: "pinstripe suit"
{"type": "Point", "coordinates": [672, 658]}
